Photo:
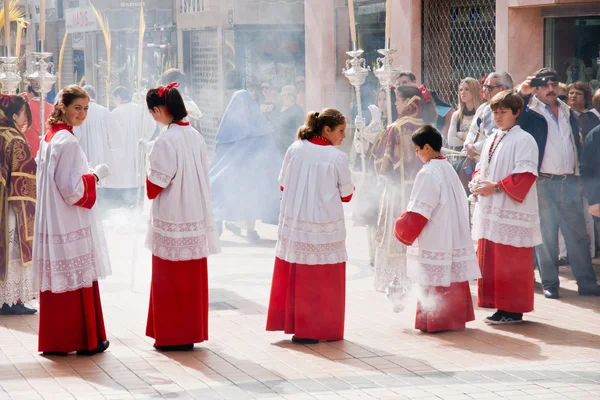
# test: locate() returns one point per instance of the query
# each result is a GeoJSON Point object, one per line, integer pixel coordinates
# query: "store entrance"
{"type": "Point", "coordinates": [573, 48]}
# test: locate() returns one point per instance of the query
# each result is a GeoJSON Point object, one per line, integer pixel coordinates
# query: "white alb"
{"type": "Point", "coordinates": [69, 248]}
{"type": "Point", "coordinates": [311, 222]}
{"type": "Point", "coordinates": [182, 224]}
{"type": "Point", "coordinates": [499, 218]}
{"type": "Point", "coordinates": [444, 252]}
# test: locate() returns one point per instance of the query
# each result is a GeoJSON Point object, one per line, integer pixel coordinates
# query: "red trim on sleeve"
{"type": "Point", "coordinates": [409, 227]}
{"type": "Point", "coordinates": [516, 186]}
{"type": "Point", "coordinates": [347, 199]}
{"type": "Point", "coordinates": [89, 192]}
{"type": "Point", "coordinates": [152, 190]}
{"type": "Point", "coordinates": [475, 174]}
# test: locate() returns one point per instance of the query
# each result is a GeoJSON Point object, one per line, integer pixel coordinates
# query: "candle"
{"type": "Point", "coordinates": [388, 20]}
{"type": "Point", "coordinates": [7, 25]}
{"type": "Point", "coordinates": [42, 19]}
{"type": "Point", "coordinates": [352, 21]}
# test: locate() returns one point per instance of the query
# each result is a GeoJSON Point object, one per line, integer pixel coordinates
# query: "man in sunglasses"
{"type": "Point", "coordinates": [554, 127]}
{"type": "Point", "coordinates": [483, 122]}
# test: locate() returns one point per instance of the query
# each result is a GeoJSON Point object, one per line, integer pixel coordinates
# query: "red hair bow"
{"type": "Point", "coordinates": [6, 100]}
{"type": "Point", "coordinates": [425, 93]}
{"type": "Point", "coordinates": [163, 92]}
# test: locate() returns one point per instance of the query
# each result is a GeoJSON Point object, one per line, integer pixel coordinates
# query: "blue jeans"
{"type": "Point", "coordinates": [561, 206]}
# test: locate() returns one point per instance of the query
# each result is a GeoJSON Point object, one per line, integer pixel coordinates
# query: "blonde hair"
{"type": "Point", "coordinates": [68, 95]}
{"type": "Point", "coordinates": [475, 89]}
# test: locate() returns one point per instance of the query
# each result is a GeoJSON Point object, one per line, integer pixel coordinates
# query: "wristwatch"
{"type": "Point", "coordinates": [497, 189]}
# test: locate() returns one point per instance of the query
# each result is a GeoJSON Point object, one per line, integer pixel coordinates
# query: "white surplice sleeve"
{"type": "Point", "coordinates": [344, 174]}
{"type": "Point", "coordinates": [425, 195]}
{"type": "Point", "coordinates": [70, 168]}
{"type": "Point", "coordinates": [163, 163]}
{"type": "Point", "coordinates": [284, 166]}
{"type": "Point", "coordinates": [526, 156]}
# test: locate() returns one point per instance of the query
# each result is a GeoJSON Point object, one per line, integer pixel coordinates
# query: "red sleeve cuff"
{"type": "Point", "coordinates": [152, 190]}
{"type": "Point", "coordinates": [89, 192]}
{"type": "Point", "coordinates": [475, 174]}
{"type": "Point", "coordinates": [516, 186]}
{"type": "Point", "coordinates": [409, 227]}
{"type": "Point", "coordinates": [348, 198]}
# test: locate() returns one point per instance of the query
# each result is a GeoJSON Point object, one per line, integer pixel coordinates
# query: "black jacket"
{"type": "Point", "coordinates": [590, 166]}
{"type": "Point", "coordinates": [537, 127]}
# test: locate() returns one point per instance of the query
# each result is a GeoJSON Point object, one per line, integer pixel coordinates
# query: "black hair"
{"type": "Point", "coordinates": [91, 91]}
{"type": "Point", "coordinates": [123, 93]}
{"type": "Point", "coordinates": [428, 135]}
{"type": "Point", "coordinates": [408, 74]}
{"type": "Point", "coordinates": [15, 106]}
{"type": "Point", "coordinates": [549, 73]}
{"type": "Point", "coordinates": [174, 102]}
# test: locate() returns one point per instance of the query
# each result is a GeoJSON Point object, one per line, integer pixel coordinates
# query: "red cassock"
{"type": "Point", "coordinates": [178, 310]}
{"type": "Point", "coordinates": [455, 305]}
{"type": "Point", "coordinates": [507, 272]}
{"type": "Point", "coordinates": [72, 321]}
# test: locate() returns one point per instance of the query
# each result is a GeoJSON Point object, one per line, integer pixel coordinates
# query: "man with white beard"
{"type": "Point", "coordinates": [134, 124]}
{"type": "Point", "coordinates": [95, 133]}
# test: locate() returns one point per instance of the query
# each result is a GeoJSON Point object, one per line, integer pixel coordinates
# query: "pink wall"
{"type": "Point", "coordinates": [519, 40]}
{"type": "Point", "coordinates": [406, 35]}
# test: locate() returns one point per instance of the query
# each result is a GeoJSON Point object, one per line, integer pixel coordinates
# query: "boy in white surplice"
{"type": "Point", "coordinates": [441, 257]}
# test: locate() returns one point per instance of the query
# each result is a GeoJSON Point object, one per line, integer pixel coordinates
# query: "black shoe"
{"type": "Point", "coordinates": [231, 227]}
{"type": "Point", "coordinates": [551, 293]}
{"type": "Point", "coordinates": [503, 318]}
{"type": "Point", "coordinates": [102, 346]}
{"type": "Point", "coordinates": [178, 347]}
{"type": "Point", "coordinates": [304, 341]}
{"type": "Point", "coordinates": [16, 309]}
{"type": "Point", "coordinates": [253, 236]}
{"type": "Point", "coordinates": [54, 353]}
{"type": "Point", "coordinates": [563, 261]}
{"type": "Point", "coordinates": [593, 291]}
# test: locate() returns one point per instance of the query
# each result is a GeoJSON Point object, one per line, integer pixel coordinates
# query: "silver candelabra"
{"type": "Point", "coordinates": [41, 79]}
{"type": "Point", "coordinates": [9, 72]}
{"type": "Point", "coordinates": [387, 75]}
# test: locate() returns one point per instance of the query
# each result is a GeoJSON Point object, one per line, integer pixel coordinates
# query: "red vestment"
{"type": "Point", "coordinates": [178, 310]}
{"type": "Point", "coordinates": [72, 321]}
{"type": "Point", "coordinates": [453, 304]}
{"type": "Point", "coordinates": [33, 133]}
{"type": "Point", "coordinates": [507, 271]}
{"type": "Point", "coordinates": [308, 301]}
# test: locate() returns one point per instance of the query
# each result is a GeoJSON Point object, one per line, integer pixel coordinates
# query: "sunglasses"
{"type": "Point", "coordinates": [490, 87]}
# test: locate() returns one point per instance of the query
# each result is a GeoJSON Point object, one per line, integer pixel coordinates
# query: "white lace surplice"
{"type": "Point", "coordinates": [18, 284]}
{"type": "Point", "coordinates": [444, 252]}
{"type": "Point", "coordinates": [182, 224]}
{"type": "Point", "coordinates": [69, 248]}
{"type": "Point", "coordinates": [498, 218]}
{"type": "Point", "coordinates": [311, 224]}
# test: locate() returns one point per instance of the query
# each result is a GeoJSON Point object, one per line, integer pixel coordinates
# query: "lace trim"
{"type": "Point", "coordinates": [18, 285]}
{"type": "Point", "coordinates": [420, 207]}
{"type": "Point", "coordinates": [444, 275]}
{"type": "Point", "coordinates": [445, 256]}
{"type": "Point", "coordinates": [67, 237]}
{"type": "Point", "coordinates": [173, 227]}
{"type": "Point", "coordinates": [160, 177]}
{"type": "Point", "coordinates": [311, 254]}
{"type": "Point", "coordinates": [311, 227]}
{"type": "Point", "coordinates": [511, 235]}
{"type": "Point", "coordinates": [527, 164]}
{"type": "Point", "coordinates": [181, 249]}
{"type": "Point", "coordinates": [67, 275]}
{"type": "Point", "coordinates": [503, 214]}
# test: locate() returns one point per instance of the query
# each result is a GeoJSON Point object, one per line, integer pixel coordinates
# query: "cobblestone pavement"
{"type": "Point", "coordinates": [554, 355]}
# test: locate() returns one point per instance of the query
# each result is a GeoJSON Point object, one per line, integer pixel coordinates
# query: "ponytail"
{"type": "Point", "coordinates": [316, 121]}
{"type": "Point", "coordinates": [169, 97]}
